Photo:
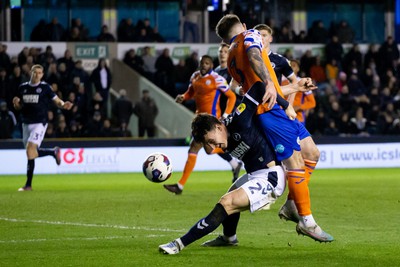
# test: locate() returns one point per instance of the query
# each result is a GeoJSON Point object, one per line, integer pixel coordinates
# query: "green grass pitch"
{"type": "Point", "coordinates": [120, 219]}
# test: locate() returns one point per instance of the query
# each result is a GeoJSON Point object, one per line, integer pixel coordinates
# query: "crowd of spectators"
{"type": "Point", "coordinates": [358, 93]}
{"type": "Point", "coordinates": [127, 31]}
{"type": "Point", "coordinates": [87, 91]}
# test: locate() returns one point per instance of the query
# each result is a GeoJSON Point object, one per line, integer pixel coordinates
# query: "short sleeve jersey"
{"type": "Point", "coordinates": [280, 65]}
{"type": "Point", "coordinates": [35, 101]}
{"type": "Point", "coordinates": [246, 141]}
{"type": "Point", "coordinates": [206, 91]}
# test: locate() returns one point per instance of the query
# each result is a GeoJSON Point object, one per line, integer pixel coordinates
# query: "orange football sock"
{"type": "Point", "coordinates": [309, 166]}
{"type": "Point", "coordinates": [299, 192]}
{"type": "Point", "coordinates": [189, 166]}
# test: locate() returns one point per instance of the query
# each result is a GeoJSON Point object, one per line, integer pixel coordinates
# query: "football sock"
{"type": "Point", "coordinates": [205, 225]}
{"type": "Point", "coordinates": [234, 163]}
{"type": "Point", "coordinates": [29, 172]}
{"type": "Point", "coordinates": [309, 166]}
{"type": "Point", "coordinates": [298, 189]}
{"type": "Point", "coordinates": [230, 224]}
{"type": "Point", "coordinates": [45, 152]}
{"type": "Point", "coordinates": [189, 166]}
{"type": "Point", "coordinates": [308, 220]}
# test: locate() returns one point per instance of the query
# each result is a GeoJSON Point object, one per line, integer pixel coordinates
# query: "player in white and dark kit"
{"type": "Point", "coordinates": [33, 100]}
{"type": "Point", "coordinates": [265, 181]}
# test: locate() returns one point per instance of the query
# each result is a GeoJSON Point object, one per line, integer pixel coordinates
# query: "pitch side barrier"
{"type": "Point", "coordinates": [127, 155]}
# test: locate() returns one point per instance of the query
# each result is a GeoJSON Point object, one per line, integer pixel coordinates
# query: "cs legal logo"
{"type": "Point", "coordinates": [71, 156]}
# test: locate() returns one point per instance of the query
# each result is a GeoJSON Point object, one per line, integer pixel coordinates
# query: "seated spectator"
{"type": "Point", "coordinates": [84, 32]}
{"type": "Point", "coordinates": [94, 125]}
{"type": "Point", "coordinates": [5, 60]}
{"type": "Point", "coordinates": [68, 61]}
{"type": "Point", "coordinates": [75, 35]}
{"type": "Point", "coordinates": [50, 133]}
{"type": "Point", "coordinates": [318, 33]}
{"type": "Point", "coordinates": [47, 57]}
{"type": "Point", "coordinates": [358, 123]}
{"type": "Point", "coordinates": [105, 35]}
{"type": "Point", "coordinates": [123, 131]}
{"type": "Point", "coordinates": [106, 130]}
{"type": "Point", "coordinates": [155, 36]}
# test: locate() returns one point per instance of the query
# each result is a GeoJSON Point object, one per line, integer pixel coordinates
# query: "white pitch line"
{"type": "Point", "coordinates": [70, 239]}
{"type": "Point", "coordinates": [93, 225]}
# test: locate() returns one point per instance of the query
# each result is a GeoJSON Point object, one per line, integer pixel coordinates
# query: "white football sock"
{"type": "Point", "coordinates": [308, 220]}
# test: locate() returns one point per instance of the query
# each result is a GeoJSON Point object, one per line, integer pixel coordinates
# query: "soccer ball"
{"type": "Point", "coordinates": [157, 167]}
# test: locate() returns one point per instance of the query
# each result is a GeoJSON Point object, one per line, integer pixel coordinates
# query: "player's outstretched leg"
{"type": "Point", "coordinates": [220, 241]}
{"type": "Point", "coordinates": [289, 212]}
{"type": "Point", "coordinates": [173, 247]}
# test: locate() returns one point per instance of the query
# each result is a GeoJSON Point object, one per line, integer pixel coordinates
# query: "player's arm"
{"type": "Point", "coordinates": [230, 103]}
{"type": "Point", "coordinates": [61, 104]}
{"type": "Point", "coordinates": [302, 85]}
{"type": "Point", "coordinates": [258, 66]}
{"type": "Point", "coordinates": [185, 96]}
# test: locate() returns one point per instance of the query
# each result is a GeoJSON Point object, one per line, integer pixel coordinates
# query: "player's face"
{"type": "Point", "coordinates": [216, 138]}
{"type": "Point", "coordinates": [223, 54]}
{"type": "Point", "coordinates": [37, 75]}
{"type": "Point", "coordinates": [266, 38]}
{"type": "Point", "coordinates": [205, 65]}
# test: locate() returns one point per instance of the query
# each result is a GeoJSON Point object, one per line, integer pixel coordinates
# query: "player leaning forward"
{"type": "Point", "coordinates": [239, 135]}
{"type": "Point", "coordinates": [33, 100]}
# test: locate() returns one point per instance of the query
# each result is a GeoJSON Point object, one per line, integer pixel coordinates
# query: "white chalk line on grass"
{"type": "Point", "coordinates": [93, 225]}
{"type": "Point", "coordinates": [71, 239]}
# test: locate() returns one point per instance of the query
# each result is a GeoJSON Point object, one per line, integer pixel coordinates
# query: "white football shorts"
{"type": "Point", "coordinates": [260, 191]}
{"type": "Point", "coordinates": [33, 133]}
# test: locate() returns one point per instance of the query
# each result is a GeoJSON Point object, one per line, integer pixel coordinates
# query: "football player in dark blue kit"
{"type": "Point", "coordinates": [239, 135]}
{"type": "Point", "coordinates": [33, 100]}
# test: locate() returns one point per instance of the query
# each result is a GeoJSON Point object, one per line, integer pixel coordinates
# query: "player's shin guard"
{"type": "Point", "coordinates": [189, 166]}
{"type": "Point", "coordinates": [298, 189]}
{"type": "Point", "coordinates": [42, 152]}
{"type": "Point", "coordinates": [29, 172]}
{"type": "Point", "coordinates": [205, 225]}
{"type": "Point", "coordinates": [309, 166]}
{"type": "Point", "coordinates": [230, 224]}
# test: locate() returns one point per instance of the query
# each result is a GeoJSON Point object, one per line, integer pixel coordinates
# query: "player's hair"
{"type": "Point", "coordinates": [295, 61]}
{"type": "Point", "coordinates": [37, 66]}
{"type": "Point", "coordinates": [225, 25]}
{"type": "Point", "coordinates": [222, 45]}
{"type": "Point", "coordinates": [264, 27]}
{"type": "Point", "coordinates": [206, 57]}
{"type": "Point", "coordinates": [202, 124]}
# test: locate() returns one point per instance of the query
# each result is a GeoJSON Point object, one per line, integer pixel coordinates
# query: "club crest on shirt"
{"type": "Point", "coordinates": [208, 82]}
{"type": "Point", "coordinates": [236, 136]}
{"type": "Point", "coordinates": [273, 65]}
{"type": "Point", "coordinates": [39, 90]}
{"type": "Point", "coordinates": [240, 108]}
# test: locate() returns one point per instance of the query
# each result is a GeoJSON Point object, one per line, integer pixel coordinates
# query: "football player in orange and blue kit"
{"type": "Point", "coordinates": [205, 88]}
{"type": "Point", "coordinates": [248, 64]}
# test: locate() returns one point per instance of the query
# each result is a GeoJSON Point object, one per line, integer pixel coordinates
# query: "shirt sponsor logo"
{"type": "Point", "coordinates": [240, 108]}
{"type": "Point", "coordinates": [240, 150]}
{"type": "Point", "coordinates": [236, 136]}
{"type": "Point", "coordinates": [31, 98]}
{"type": "Point", "coordinates": [279, 148]}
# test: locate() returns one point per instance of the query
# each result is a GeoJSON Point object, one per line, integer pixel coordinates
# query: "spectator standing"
{"type": "Point", "coordinates": [149, 62]}
{"type": "Point", "coordinates": [133, 60]}
{"type": "Point", "coordinates": [38, 33]}
{"type": "Point", "coordinates": [318, 33]}
{"type": "Point", "coordinates": [345, 33]}
{"type": "Point", "coordinates": [334, 50]}
{"type": "Point", "coordinates": [101, 78]}
{"type": "Point", "coordinates": [7, 121]}
{"type": "Point", "coordinates": [389, 55]}
{"type": "Point", "coordinates": [5, 60]}
{"type": "Point", "coordinates": [164, 73]}
{"type": "Point", "coordinates": [122, 108]}
{"type": "Point", "coordinates": [147, 111]}
{"type": "Point", "coordinates": [55, 31]}
{"type": "Point", "coordinates": [126, 31]}
{"type": "Point", "coordinates": [67, 60]}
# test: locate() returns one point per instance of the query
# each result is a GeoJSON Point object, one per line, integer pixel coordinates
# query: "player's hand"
{"type": "Point", "coordinates": [179, 98]}
{"type": "Point", "coordinates": [270, 95]}
{"type": "Point", "coordinates": [16, 103]}
{"type": "Point", "coordinates": [290, 112]}
{"type": "Point", "coordinates": [241, 91]}
{"type": "Point", "coordinates": [306, 84]}
{"type": "Point", "coordinates": [67, 105]}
